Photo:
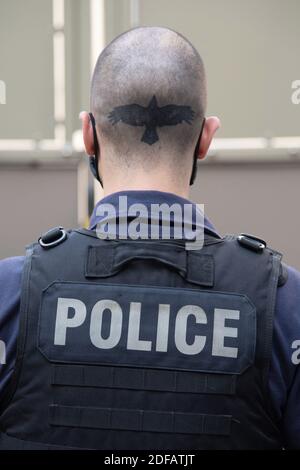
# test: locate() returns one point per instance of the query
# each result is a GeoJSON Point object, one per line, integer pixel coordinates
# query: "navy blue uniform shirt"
{"type": "Point", "coordinates": [284, 374]}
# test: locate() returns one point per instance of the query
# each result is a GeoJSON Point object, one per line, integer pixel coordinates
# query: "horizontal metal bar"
{"type": "Point", "coordinates": [50, 160]}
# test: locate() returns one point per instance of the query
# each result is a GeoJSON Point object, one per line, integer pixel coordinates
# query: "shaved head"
{"type": "Point", "coordinates": [148, 97]}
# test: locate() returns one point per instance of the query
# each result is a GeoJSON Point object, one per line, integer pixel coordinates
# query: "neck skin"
{"type": "Point", "coordinates": [140, 180]}
{"type": "Point", "coordinates": [162, 179]}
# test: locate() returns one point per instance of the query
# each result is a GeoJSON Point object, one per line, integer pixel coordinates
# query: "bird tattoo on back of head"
{"type": "Point", "coordinates": [151, 117]}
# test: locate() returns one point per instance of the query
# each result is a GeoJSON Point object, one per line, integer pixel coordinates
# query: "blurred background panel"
{"type": "Point", "coordinates": [45, 63]}
{"type": "Point", "coordinates": [258, 198]}
{"type": "Point", "coordinates": [36, 196]}
{"type": "Point", "coordinates": [26, 66]}
{"type": "Point", "coordinates": [250, 49]}
{"type": "Point", "coordinates": [48, 48]}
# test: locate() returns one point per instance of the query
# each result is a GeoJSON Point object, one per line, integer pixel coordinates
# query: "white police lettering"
{"type": "Point", "coordinates": [221, 332]}
{"type": "Point", "coordinates": [186, 342]}
{"type": "Point", "coordinates": [163, 327]}
{"type": "Point", "coordinates": [115, 324]}
{"type": "Point", "coordinates": [181, 329]}
{"type": "Point", "coordinates": [133, 341]}
{"type": "Point", "coordinates": [63, 321]}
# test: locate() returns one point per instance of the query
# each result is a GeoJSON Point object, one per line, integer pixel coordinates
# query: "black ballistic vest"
{"type": "Point", "coordinates": [143, 345]}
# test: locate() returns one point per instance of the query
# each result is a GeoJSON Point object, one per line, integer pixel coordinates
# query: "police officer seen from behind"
{"type": "Point", "coordinates": [118, 339]}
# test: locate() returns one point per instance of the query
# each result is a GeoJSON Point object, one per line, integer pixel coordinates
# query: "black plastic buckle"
{"type": "Point", "coordinates": [251, 242]}
{"type": "Point", "coordinates": [53, 237]}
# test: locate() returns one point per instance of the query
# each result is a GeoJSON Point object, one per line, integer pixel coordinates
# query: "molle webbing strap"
{"type": "Point", "coordinates": [139, 420]}
{"type": "Point", "coordinates": [141, 379]}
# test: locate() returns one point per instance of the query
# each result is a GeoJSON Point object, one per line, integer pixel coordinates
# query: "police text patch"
{"type": "Point", "coordinates": [144, 326]}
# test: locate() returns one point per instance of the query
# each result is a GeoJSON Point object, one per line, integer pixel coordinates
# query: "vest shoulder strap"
{"type": "Point", "coordinates": [258, 245]}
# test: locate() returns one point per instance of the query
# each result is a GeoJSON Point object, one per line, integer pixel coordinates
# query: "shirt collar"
{"type": "Point", "coordinates": [147, 198]}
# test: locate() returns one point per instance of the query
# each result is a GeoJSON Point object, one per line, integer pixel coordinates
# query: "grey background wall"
{"type": "Point", "coordinates": [251, 52]}
{"type": "Point", "coordinates": [26, 65]}
{"type": "Point", "coordinates": [35, 193]}
{"type": "Point", "coordinates": [256, 198]}
{"type": "Point", "coordinates": [42, 181]}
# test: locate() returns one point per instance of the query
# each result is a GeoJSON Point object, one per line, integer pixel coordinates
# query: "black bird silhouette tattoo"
{"type": "Point", "coordinates": [152, 117]}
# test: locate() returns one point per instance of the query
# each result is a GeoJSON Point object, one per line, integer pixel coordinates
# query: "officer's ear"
{"type": "Point", "coordinates": [211, 126]}
{"type": "Point", "coordinates": [87, 133]}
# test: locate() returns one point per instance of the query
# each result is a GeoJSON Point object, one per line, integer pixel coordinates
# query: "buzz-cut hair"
{"type": "Point", "coordinates": [148, 97]}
